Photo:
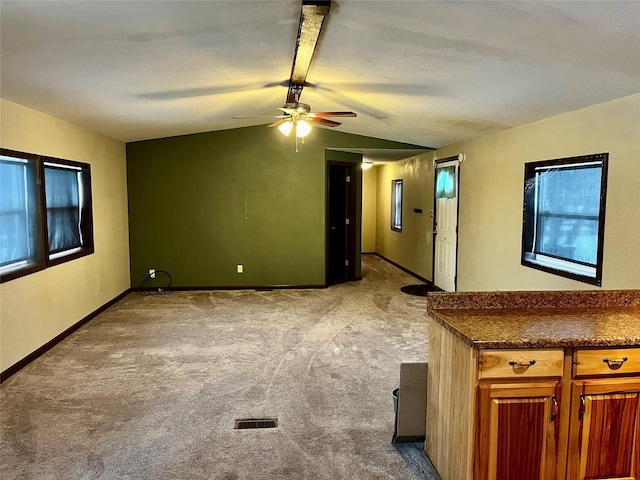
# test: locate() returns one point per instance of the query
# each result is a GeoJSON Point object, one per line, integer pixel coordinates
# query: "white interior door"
{"type": "Point", "coordinates": [446, 226]}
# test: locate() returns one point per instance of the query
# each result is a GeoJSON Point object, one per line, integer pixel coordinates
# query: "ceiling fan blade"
{"type": "Point", "coordinates": [203, 91]}
{"type": "Point", "coordinates": [279, 122]}
{"type": "Point", "coordinates": [324, 121]}
{"type": "Point", "coordinates": [311, 20]}
{"type": "Point", "coordinates": [334, 114]}
{"type": "Point", "coordinates": [261, 115]}
{"type": "Point", "coordinates": [241, 117]}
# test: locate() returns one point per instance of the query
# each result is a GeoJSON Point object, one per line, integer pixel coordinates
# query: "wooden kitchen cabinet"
{"type": "Point", "coordinates": [540, 414]}
{"type": "Point", "coordinates": [604, 425]}
{"type": "Point", "coordinates": [518, 413]}
{"type": "Point", "coordinates": [518, 428]}
{"type": "Point", "coordinates": [534, 385]}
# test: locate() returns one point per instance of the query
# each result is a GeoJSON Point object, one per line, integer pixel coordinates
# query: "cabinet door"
{"type": "Point", "coordinates": [518, 430]}
{"type": "Point", "coordinates": [604, 430]}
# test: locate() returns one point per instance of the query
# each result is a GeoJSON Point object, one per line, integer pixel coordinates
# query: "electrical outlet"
{"type": "Point", "coordinates": [152, 273]}
{"type": "Point", "coordinates": [240, 268]}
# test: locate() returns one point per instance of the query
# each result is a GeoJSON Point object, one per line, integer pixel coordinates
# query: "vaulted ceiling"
{"type": "Point", "coordinates": [422, 72]}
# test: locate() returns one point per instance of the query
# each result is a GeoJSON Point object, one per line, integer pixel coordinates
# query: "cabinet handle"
{"type": "Point", "coordinates": [614, 364]}
{"type": "Point", "coordinates": [554, 414]}
{"type": "Point", "coordinates": [583, 406]}
{"type": "Point", "coordinates": [515, 364]}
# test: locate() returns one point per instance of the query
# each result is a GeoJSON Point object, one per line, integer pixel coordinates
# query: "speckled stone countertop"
{"type": "Point", "coordinates": [540, 319]}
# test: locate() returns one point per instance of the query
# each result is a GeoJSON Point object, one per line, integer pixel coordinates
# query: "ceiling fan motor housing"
{"type": "Point", "coordinates": [299, 108]}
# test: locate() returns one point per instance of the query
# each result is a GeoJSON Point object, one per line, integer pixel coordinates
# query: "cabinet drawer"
{"type": "Point", "coordinates": [612, 361]}
{"type": "Point", "coordinates": [537, 362]}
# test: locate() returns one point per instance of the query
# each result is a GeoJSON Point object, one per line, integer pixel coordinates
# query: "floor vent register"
{"type": "Point", "coordinates": [254, 423]}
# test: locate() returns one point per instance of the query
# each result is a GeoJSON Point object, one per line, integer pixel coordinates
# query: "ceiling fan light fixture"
{"type": "Point", "coordinates": [286, 127]}
{"type": "Point", "coordinates": [302, 129]}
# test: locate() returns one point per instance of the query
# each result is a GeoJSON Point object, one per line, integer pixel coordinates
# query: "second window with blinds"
{"type": "Point", "coordinates": [396, 205]}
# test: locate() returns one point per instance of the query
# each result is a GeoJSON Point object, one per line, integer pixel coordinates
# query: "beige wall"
{"type": "Point", "coordinates": [491, 194]}
{"type": "Point", "coordinates": [36, 308]}
{"type": "Point", "coordinates": [411, 248]}
{"type": "Point", "coordinates": [369, 192]}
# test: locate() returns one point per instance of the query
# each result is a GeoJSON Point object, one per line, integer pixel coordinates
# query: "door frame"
{"type": "Point", "coordinates": [455, 158]}
{"type": "Point", "coordinates": [352, 215]}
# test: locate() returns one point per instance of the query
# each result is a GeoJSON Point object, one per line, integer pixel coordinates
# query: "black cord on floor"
{"type": "Point", "coordinates": [154, 290]}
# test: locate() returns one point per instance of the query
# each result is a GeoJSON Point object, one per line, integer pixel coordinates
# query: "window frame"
{"type": "Point", "coordinates": [396, 206]}
{"type": "Point", "coordinates": [557, 265]}
{"type": "Point", "coordinates": [37, 262]}
{"type": "Point", "coordinates": [43, 258]}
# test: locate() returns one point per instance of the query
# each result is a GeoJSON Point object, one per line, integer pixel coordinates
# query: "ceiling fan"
{"type": "Point", "coordinates": [295, 114]}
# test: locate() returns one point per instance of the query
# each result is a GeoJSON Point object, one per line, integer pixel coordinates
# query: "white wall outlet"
{"type": "Point", "coordinates": [152, 273]}
{"type": "Point", "coordinates": [240, 268]}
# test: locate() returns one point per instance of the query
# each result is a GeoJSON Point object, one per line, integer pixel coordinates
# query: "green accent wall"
{"type": "Point", "coordinates": [201, 204]}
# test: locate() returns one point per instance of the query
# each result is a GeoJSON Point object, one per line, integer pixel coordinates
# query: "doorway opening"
{"type": "Point", "coordinates": [340, 223]}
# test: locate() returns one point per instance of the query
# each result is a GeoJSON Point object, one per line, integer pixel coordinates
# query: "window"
{"type": "Point", "coordinates": [45, 212]}
{"type": "Point", "coordinates": [563, 218]}
{"type": "Point", "coordinates": [396, 205]}
{"type": "Point", "coordinates": [20, 234]}
{"type": "Point", "coordinates": [446, 182]}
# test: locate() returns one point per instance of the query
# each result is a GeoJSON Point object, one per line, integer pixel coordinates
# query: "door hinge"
{"type": "Point", "coordinates": [348, 179]}
{"type": "Point", "coordinates": [346, 221]}
{"type": "Point", "coordinates": [346, 263]}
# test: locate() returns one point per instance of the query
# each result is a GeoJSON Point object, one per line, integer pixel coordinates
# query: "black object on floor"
{"type": "Point", "coordinates": [420, 290]}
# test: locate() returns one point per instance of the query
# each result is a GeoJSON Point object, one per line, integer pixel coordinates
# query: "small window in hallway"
{"type": "Point", "coordinates": [396, 205]}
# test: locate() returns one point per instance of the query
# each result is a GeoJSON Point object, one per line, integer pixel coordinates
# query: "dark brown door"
{"type": "Point", "coordinates": [340, 235]}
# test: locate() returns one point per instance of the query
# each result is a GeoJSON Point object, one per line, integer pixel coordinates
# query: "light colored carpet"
{"type": "Point", "coordinates": [150, 388]}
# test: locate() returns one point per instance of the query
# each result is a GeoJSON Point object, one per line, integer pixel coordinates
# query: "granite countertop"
{"type": "Point", "coordinates": [540, 319]}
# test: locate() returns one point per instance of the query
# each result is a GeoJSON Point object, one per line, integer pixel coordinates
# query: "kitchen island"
{"type": "Point", "coordinates": [534, 385]}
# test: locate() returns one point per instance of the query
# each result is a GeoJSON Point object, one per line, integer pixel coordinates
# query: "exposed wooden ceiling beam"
{"type": "Point", "coordinates": [311, 21]}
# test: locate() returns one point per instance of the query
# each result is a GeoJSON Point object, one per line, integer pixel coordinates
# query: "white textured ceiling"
{"type": "Point", "coordinates": [422, 72]}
